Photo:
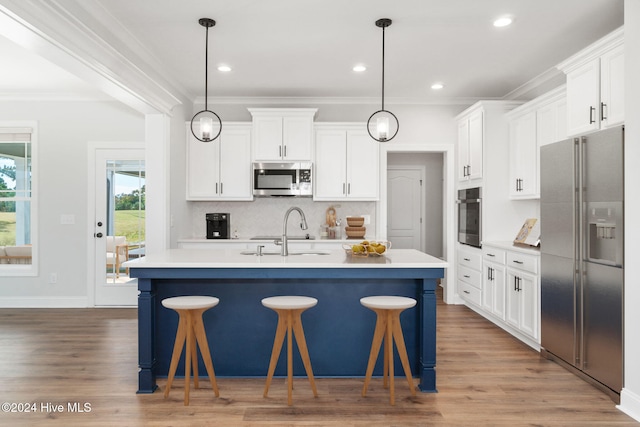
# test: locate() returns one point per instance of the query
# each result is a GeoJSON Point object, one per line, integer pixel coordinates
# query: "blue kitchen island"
{"type": "Point", "coordinates": [240, 330]}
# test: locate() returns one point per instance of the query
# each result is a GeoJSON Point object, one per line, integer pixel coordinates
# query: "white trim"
{"type": "Point", "coordinates": [66, 36]}
{"type": "Point", "coordinates": [336, 100]}
{"type": "Point", "coordinates": [593, 51]}
{"type": "Point", "coordinates": [630, 403]}
{"type": "Point", "coordinates": [43, 302]}
{"type": "Point", "coordinates": [448, 209]}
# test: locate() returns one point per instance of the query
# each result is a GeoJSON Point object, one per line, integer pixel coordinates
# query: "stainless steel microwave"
{"type": "Point", "coordinates": [282, 179]}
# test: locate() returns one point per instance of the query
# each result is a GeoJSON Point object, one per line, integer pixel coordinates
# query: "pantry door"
{"type": "Point", "coordinates": [404, 207]}
{"type": "Point", "coordinates": [118, 222]}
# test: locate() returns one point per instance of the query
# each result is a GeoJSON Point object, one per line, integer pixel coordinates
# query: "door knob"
{"type": "Point", "coordinates": [98, 235]}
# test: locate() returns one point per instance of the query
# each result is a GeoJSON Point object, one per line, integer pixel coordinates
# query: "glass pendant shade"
{"type": "Point", "coordinates": [206, 126]}
{"type": "Point", "coordinates": [382, 125]}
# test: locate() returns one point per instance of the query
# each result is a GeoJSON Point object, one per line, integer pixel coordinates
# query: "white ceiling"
{"type": "Point", "coordinates": [294, 48]}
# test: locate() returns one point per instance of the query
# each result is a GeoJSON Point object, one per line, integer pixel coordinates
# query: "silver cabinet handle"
{"type": "Point", "coordinates": [466, 292]}
{"type": "Point", "coordinates": [216, 188]}
{"type": "Point", "coordinates": [518, 262]}
{"type": "Point", "coordinates": [221, 188]}
{"type": "Point", "coordinates": [344, 185]}
{"type": "Point", "coordinates": [602, 107]}
{"type": "Point", "coordinates": [285, 151]}
{"type": "Point", "coordinates": [349, 188]}
{"type": "Point", "coordinates": [466, 277]}
{"type": "Point", "coordinates": [591, 111]}
{"type": "Point", "coordinates": [467, 259]}
{"type": "Point", "coordinates": [279, 150]}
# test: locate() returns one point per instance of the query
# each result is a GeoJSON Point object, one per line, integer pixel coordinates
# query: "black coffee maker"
{"type": "Point", "coordinates": [218, 226]}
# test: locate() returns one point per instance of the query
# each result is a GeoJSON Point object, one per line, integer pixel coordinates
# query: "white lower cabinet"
{"type": "Point", "coordinates": [522, 302]}
{"type": "Point", "coordinates": [493, 288]}
{"type": "Point", "coordinates": [470, 275]}
{"type": "Point", "coordinates": [510, 292]}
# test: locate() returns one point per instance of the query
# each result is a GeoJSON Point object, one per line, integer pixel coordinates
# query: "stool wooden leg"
{"type": "Point", "coordinates": [194, 351]}
{"type": "Point", "coordinates": [187, 359]}
{"type": "Point", "coordinates": [304, 351]}
{"type": "Point", "coordinates": [289, 358]}
{"type": "Point", "coordinates": [402, 350]}
{"type": "Point", "coordinates": [177, 351]}
{"type": "Point", "coordinates": [201, 338]}
{"type": "Point", "coordinates": [378, 334]}
{"type": "Point", "coordinates": [281, 329]}
{"type": "Point", "coordinates": [389, 347]}
{"type": "Point", "coordinates": [385, 352]}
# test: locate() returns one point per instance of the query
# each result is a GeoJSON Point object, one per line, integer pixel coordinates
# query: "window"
{"type": "Point", "coordinates": [16, 207]}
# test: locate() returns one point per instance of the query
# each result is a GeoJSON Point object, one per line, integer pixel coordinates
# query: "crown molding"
{"type": "Point", "coordinates": [77, 40]}
{"type": "Point", "coordinates": [293, 100]}
{"type": "Point", "coordinates": [54, 97]}
{"type": "Point", "coordinates": [593, 51]}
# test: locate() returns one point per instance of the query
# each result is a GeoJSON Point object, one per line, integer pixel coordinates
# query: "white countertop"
{"type": "Point", "coordinates": [291, 241]}
{"type": "Point", "coordinates": [232, 258]}
{"type": "Point", "coordinates": [512, 247]}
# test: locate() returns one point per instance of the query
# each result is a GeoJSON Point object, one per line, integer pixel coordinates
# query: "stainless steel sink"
{"type": "Point", "coordinates": [306, 252]}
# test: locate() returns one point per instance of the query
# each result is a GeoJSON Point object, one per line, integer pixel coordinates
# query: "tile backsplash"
{"type": "Point", "coordinates": [265, 216]}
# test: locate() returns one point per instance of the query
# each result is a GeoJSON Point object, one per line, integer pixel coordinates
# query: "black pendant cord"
{"type": "Point", "coordinates": [206, 68]}
{"type": "Point", "coordinates": [383, 68]}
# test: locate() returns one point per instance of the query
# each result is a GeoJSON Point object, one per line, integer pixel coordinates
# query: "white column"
{"type": "Point", "coordinates": [630, 396]}
{"type": "Point", "coordinates": [157, 164]}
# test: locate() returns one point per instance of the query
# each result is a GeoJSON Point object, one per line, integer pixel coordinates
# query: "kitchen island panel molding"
{"type": "Point", "coordinates": [240, 331]}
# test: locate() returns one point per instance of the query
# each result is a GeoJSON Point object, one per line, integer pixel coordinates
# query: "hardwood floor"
{"type": "Point", "coordinates": [51, 357]}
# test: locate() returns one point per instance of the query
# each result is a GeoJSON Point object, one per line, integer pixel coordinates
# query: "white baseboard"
{"type": "Point", "coordinates": [43, 302]}
{"type": "Point", "coordinates": [630, 404]}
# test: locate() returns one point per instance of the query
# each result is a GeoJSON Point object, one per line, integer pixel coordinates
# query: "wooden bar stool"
{"type": "Point", "coordinates": [388, 309]}
{"type": "Point", "coordinates": [289, 309]}
{"type": "Point", "coordinates": [190, 330]}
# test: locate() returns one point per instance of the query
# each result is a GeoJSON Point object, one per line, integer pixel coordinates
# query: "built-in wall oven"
{"type": "Point", "coordinates": [470, 216]}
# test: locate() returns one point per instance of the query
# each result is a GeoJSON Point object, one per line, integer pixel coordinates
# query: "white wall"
{"type": "Point", "coordinates": [423, 125]}
{"type": "Point", "coordinates": [630, 396]}
{"type": "Point", "coordinates": [64, 129]}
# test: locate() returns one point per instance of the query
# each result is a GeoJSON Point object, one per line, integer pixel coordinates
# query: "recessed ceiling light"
{"type": "Point", "coordinates": [437, 86]}
{"type": "Point", "coordinates": [224, 68]}
{"type": "Point", "coordinates": [359, 68]}
{"type": "Point", "coordinates": [502, 21]}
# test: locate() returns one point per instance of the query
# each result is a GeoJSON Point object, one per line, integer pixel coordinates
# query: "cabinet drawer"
{"type": "Point", "coordinates": [470, 259]}
{"type": "Point", "coordinates": [494, 254]}
{"type": "Point", "coordinates": [523, 262]}
{"type": "Point", "coordinates": [470, 293]}
{"type": "Point", "coordinates": [472, 277]}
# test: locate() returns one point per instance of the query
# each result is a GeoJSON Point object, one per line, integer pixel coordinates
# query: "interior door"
{"type": "Point", "coordinates": [119, 223]}
{"type": "Point", "coordinates": [404, 208]}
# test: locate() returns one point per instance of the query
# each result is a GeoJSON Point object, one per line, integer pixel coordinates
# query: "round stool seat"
{"type": "Point", "coordinates": [386, 302]}
{"type": "Point", "coordinates": [289, 302]}
{"type": "Point", "coordinates": [191, 302]}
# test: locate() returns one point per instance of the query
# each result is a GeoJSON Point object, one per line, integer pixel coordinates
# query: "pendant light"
{"type": "Point", "coordinates": [210, 124]}
{"type": "Point", "coordinates": [383, 123]}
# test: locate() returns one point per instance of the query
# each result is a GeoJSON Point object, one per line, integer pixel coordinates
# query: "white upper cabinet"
{"type": "Point", "coordinates": [282, 134]}
{"type": "Point", "coordinates": [220, 169]}
{"type": "Point", "coordinates": [523, 153]}
{"type": "Point", "coordinates": [595, 85]}
{"type": "Point", "coordinates": [346, 163]}
{"type": "Point", "coordinates": [470, 140]}
{"type": "Point", "coordinates": [536, 123]}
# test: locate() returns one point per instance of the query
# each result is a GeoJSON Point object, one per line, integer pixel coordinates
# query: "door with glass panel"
{"type": "Point", "coordinates": [119, 223]}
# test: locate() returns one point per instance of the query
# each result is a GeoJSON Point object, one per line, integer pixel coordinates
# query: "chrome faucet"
{"type": "Point", "coordinates": [284, 251]}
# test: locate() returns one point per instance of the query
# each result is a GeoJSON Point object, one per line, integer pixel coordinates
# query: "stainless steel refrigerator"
{"type": "Point", "coordinates": [582, 233]}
